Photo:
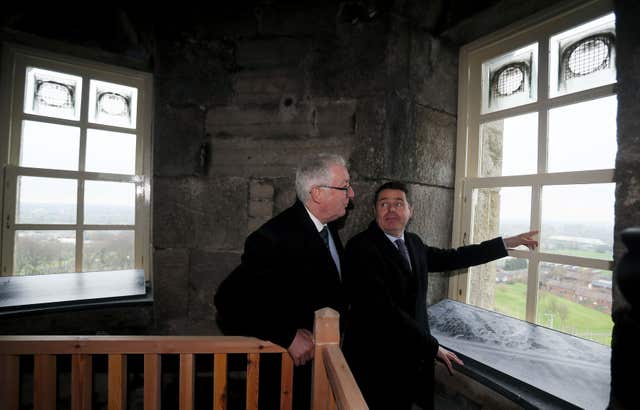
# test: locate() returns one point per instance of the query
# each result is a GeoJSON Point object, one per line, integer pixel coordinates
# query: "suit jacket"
{"type": "Point", "coordinates": [389, 351]}
{"type": "Point", "coordinates": [285, 275]}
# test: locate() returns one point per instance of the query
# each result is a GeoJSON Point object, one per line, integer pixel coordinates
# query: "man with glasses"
{"type": "Point", "coordinates": [387, 341]}
{"type": "Point", "coordinates": [290, 268]}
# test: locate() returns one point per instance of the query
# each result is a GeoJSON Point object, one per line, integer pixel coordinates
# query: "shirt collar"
{"type": "Point", "coordinates": [392, 238]}
{"type": "Point", "coordinates": [319, 225]}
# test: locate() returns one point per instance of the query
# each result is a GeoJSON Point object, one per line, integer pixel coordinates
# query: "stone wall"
{"type": "Point", "coordinates": [240, 97]}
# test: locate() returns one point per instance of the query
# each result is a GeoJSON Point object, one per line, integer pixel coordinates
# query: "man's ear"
{"type": "Point", "coordinates": [410, 211]}
{"type": "Point", "coordinates": [314, 194]}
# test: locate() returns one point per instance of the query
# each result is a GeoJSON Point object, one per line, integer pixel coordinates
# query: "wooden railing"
{"type": "Point", "coordinates": [333, 384]}
{"type": "Point", "coordinates": [45, 349]}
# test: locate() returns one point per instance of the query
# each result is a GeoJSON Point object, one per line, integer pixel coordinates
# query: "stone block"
{"type": "Point", "coordinates": [263, 209]}
{"type": "Point", "coordinates": [435, 149]}
{"type": "Point", "coordinates": [434, 72]}
{"type": "Point", "coordinates": [432, 214]}
{"type": "Point", "coordinates": [207, 271]}
{"type": "Point", "coordinates": [335, 118]}
{"type": "Point", "coordinates": [288, 20]}
{"type": "Point", "coordinates": [265, 121]}
{"type": "Point", "coordinates": [285, 193]}
{"type": "Point", "coordinates": [170, 286]}
{"type": "Point", "coordinates": [367, 158]}
{"type": "Point", "coordinates": [194, 71]}
{"type": "Point", "coordinates": [350, 65]}
{"type": "Point", "coordinates": [261, 190]}
{"type": "Point", "coordinates": [270, 157]}
{"type": "Point", "coordinates": [177, 141]}
{"type": "Point", "coordinates": [271, 52]}
{"type": "Point", "coordinates": [205, 213]}
{"type": "Point", "coordinates": [283, 85]}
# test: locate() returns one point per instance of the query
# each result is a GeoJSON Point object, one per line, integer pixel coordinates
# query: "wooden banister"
{"type": "Point", "coordinates": [45, 350]}
{"type": "Point", "coordinates": [333, 382]}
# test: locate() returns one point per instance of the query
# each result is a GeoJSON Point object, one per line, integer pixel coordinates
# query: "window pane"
{"type": "Point", "coordinates": [112, 104]}
{"type": "Point", "coordinates": [577, 220]}
{"type": "Point", "coordinates": [109, 203]}
{"type": "Point", "coordinates": [501, 286]}
{"type": "Point", "coordinates": [46, 200]}
{"type": "Point", "coordinates": [52, 94]}
{"type": "Point", "coordinates": [583, 136]}
{"type": "Point", "coordinates": [112, 152]}
{"type": "Point", "coordinates": [576, 300]}
{"type": "Point", "coordinates": [43, 252]}
{"type": "Point", "coordinates": [583, 57]}
{"type": "Point", "coordinates": [510, 80]}
{"type": "Point", "coordinates": [500, 211]}
{"type": "Point", "coordinates": [108, 250]}
{"type": "Point", "coordinates": [510, 146]}
{"type": "Point", "coordinates": [51, 146]}
{"type": "Point", "coordinates": [511, 287]}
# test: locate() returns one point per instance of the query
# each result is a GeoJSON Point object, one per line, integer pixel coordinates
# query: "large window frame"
{"type": "Point", "coordinates": [15, 60]}
{"type": "Point", "coordinates": [537, 29]}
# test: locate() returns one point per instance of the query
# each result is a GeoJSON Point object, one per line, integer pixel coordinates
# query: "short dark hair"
{"type": "Point", "coordinates": [391, 185]}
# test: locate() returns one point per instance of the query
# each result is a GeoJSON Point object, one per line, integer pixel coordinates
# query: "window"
{"type": "Point", "coordinates": [536, 151]}
{"type": "Point", "coordinates": [76, 157]}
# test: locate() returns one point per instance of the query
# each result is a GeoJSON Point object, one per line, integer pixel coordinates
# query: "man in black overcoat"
{"type": "Point", "coordinates": [289, 269]}
{"type": "Point", "coordinates": [387, 341]}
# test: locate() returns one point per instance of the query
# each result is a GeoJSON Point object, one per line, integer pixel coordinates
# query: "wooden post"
{"type": "Point", "coordinates": [253, 380]}
{"type": "Point", "coordinates": [326, 331]}
{"type": "Point", "coordinates": [286, 382]}
{"type": "Point", "coordinates": [81, 381]}
{"type": "Point", "coordinates": [152, 377]}
{"type": "Point", "coordinates": [220, 381]}
{"type": "Point", "coordinates": [117, 382]}
{"type": "Point", "coordinates": [9, 380]}
{"type": "Point", "coordinates": [44, 382]}
{"type": "Point", "coordinates": [187, 373]}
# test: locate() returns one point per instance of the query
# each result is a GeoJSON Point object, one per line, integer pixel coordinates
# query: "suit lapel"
{"type": "Point", "coordinates": [312, 239]}
{"type": "Point", "coordinates": [389, 249]}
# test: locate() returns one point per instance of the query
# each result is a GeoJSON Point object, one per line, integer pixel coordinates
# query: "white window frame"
{"type": "Point", "coordinates": [15, 59]}
{"type": "Point", "coordinates": [538, 28]}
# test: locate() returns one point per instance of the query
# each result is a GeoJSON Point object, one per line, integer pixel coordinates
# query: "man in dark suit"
{"type": "Point", "coordinates": [291, 268]}
{"type": "Point", "coordinates": [387, 340]}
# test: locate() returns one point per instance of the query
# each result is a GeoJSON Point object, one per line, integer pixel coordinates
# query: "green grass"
{"type": "Point", "coordinates": [567, 316]}
{"type": "Point", "coordinates": [607, 256]}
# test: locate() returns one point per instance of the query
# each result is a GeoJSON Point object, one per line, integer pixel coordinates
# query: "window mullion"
{"type": "Point", "coordinates": [84, 121]}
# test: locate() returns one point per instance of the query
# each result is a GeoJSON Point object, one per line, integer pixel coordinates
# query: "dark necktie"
{"type": "Point", "coordinates": [404, 252]}
{"type": "Point", "coordinates": [324, 233]}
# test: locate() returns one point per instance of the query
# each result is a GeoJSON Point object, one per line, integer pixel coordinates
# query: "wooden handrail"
{"type": "Point", "coordinates": [333, 382]}
{"type": "Point", "coordinates": [134, 344]}
{"type": "Point", "coordinates": [345, 389]}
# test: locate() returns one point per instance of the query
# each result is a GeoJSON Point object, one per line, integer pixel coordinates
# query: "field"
{"type": "Point", "coordinates": [556, 312]}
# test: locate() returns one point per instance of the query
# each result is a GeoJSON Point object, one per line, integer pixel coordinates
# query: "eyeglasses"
{"type": "Point", "coordinates": [339, 188]}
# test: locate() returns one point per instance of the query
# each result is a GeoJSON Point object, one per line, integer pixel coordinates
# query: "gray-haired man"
{"type": "Point", "coordinates": [291, 267]}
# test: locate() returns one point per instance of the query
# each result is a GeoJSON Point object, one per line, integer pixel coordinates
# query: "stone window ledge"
{"type": "Point", "coordinates": [534, 366]}
{"type": "Point", "coordinates": [39, 293]}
